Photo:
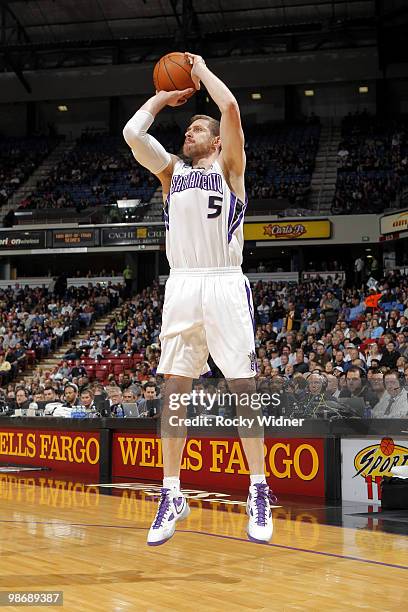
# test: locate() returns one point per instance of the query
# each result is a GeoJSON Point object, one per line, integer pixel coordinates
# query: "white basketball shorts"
{"type": "Point", "coordinates": [208, 310]}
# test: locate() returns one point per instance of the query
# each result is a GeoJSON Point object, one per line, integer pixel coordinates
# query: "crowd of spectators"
{"type": "Point", "coordinates": [35, 322]}
{"type": "Point", "coordinates": [280, 161]}
{"type": "Point", "coordinates": [99, 171]}
{"type": "Point", "coordinates": [19, 157]}
{"type": "Point", "coordinates": [103, 370]}
{"type": "Point", "coordinates": [372, 163]}
{"type": "Point", "coordinates": [325, 348]}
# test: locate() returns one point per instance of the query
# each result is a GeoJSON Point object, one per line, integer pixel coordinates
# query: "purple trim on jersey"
{"type": "Point", "coordinates": [248, 295]}
{"type": "Point", "coordinates": [233, 204]}
{"type": "Point", "coordinates": [165, 212]}
{"type": "Point", "coordinates": [233, 201]}
{"type": "Point", "coordinates": [239, 219]}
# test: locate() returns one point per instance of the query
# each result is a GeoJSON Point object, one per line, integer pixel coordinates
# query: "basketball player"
{"type": "Point", "coordinates": [208, 304]}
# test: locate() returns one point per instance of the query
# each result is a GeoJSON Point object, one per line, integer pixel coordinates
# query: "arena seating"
{"type": "Point", "coordinates": [372, 164]}
{"type": "Point", "coordinates": [320, 328]}
{"type": "Point", "coordinates": [19, 157]}
{"type": "Point", "coordinates": [280, 161]}
{"type": "Point", "coordinates": [34, 322]}
{"type": "Point", "coordinates": [101, 169]}
{"type": "Point", "coordinates": [97, 172]}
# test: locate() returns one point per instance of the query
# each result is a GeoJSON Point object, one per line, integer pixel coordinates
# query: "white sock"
{"type": "Point", "coordinates": [257, 478]}
{"type": "Point", "coordinates": [171, 482]}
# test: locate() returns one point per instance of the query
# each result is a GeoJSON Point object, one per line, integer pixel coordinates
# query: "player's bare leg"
{"type": "Point", "coordinates": [172, 505]}
{"type": "Point", "coordinates": [260, 524]}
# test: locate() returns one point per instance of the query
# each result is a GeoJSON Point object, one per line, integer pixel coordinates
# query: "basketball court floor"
{"type": "Point", "coordinates": [89, 541]}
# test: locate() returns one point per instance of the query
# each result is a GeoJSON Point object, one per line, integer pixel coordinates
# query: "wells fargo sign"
{"type": "Point", "coordinates": [67, 451]}
{"type": "Point", "coordinates": [293, 465]}
{"type": "Point", "coordinates": [288, 230]}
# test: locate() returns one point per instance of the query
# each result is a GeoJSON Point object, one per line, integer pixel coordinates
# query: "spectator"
{"type": "Point", "coordinates": [390, 356]}
{"type": "Point", "coordinates": [356, 386]}
{"type": "Point", "coordinates": [394, 402]}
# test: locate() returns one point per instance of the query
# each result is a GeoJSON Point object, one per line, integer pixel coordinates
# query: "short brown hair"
{"type": "Point", "coordinates": [213, 124]}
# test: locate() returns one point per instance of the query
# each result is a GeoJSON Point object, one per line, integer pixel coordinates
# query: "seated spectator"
{"type": "Point", "coordinates": [390, 356]}
{"type": "Point", "coordinates": [146, 410]}
{"type": "Point", "coordinates": [70, 397]}
{"type": "Point", "coordinates": [356, 386]}
{"type": "Point", "coordinates": [394, 402]}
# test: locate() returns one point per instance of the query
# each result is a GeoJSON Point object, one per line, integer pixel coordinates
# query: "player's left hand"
{"type": "Point", "coordinates": [196, 61]}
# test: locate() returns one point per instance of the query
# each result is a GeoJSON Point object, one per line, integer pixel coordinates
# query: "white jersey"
{"type": "Point", "coordinates": [204, 219]}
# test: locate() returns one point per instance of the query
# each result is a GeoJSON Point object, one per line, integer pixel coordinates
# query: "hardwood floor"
{"type": "Point", "coordinates": [70, 537]}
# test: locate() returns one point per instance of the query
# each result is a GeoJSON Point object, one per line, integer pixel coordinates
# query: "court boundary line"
{"type": "Point", "coordinates": [216, 535]}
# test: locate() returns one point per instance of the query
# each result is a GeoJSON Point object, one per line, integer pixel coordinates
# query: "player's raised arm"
{"type": "Point", "coordinates": [232, 136]}
{"type": "Point", "coordinates": [146, 149]}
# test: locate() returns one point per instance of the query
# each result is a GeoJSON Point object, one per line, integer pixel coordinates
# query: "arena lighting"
{"type": "Point", "coordinates": [128, 203]}
{"type": "Point", "coordinates": [363, 89]}
{"type": "Point", "coordinates": [62, 108]}
{"type": "Point", "coordinates": [309, 93]}
{"type": "Point", "coordinates": [256, 96]}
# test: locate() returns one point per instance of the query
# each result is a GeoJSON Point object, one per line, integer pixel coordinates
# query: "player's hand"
{"type": "Point", "coordinates": [196, 61]}
{"type": "Point", "coordinates": [176, 98]}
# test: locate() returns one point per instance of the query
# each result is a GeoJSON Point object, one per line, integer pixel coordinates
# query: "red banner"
{"type": "Point", "coordinates": [292, 465]}
{"type": "Point", "coordinates": [65, 451]}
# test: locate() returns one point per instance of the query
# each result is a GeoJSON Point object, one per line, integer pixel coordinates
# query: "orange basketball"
{"type": "Point", "coordinates": [172, 73]}
{"type": "Point", "coordinates": [387, 446]}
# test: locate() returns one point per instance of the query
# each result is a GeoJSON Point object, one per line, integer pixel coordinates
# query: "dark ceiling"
{"type": "Point", "coordinates": [41, 34]}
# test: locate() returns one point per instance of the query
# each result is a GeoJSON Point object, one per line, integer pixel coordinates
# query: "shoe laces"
{"type": "Point", "coordinates": [263, 498]}
{"type": "Point", "coordinates": [164, 505]}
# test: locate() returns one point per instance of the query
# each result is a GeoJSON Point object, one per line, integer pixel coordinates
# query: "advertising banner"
{"type": "Point", "coordinates": [19, 241]}
{"type": "Point", "coordinates": [365, 462]}
{"type": "Point", "coordinates": [74, 238]}
{"type": "Point", "coordinates": [65, 451]}
{"type": "Point", "coordinates": [288, 230]}
{"type": "Point", "coordinates": [294, 465]}
{"type": "Point", "coordinates": [397, 222]}
{"type": "Point", "coordinates": [136, 235]}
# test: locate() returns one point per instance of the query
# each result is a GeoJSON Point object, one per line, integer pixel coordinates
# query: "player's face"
{"type": "Point", "coordinates": [199, 141]}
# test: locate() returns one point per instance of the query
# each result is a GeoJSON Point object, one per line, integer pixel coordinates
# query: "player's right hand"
{"type": "Point", "coordinates": [176, 98]}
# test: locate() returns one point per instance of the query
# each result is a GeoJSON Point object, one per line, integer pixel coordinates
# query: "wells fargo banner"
{"type": "Point", "coordinates": [65, 451]}
{"type": "Point", "coordinates": [294, 465]}
{"type": "Point", "coordinates": [365, 462]}
{"type": "Point", "coordinates": [288, 230]}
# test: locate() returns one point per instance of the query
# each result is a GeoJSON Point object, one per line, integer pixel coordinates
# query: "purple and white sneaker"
{"type": "Point", "coordinates": [172, 508]}
{"type": "Point", "coordinates": [260, 524]}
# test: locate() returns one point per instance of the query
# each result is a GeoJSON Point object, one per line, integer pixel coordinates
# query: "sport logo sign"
{"type": "Point", "coordinates": [375, 461]}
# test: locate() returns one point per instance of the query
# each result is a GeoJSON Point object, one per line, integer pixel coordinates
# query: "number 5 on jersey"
{"type": "Point", "coordinates": [215, 207]}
